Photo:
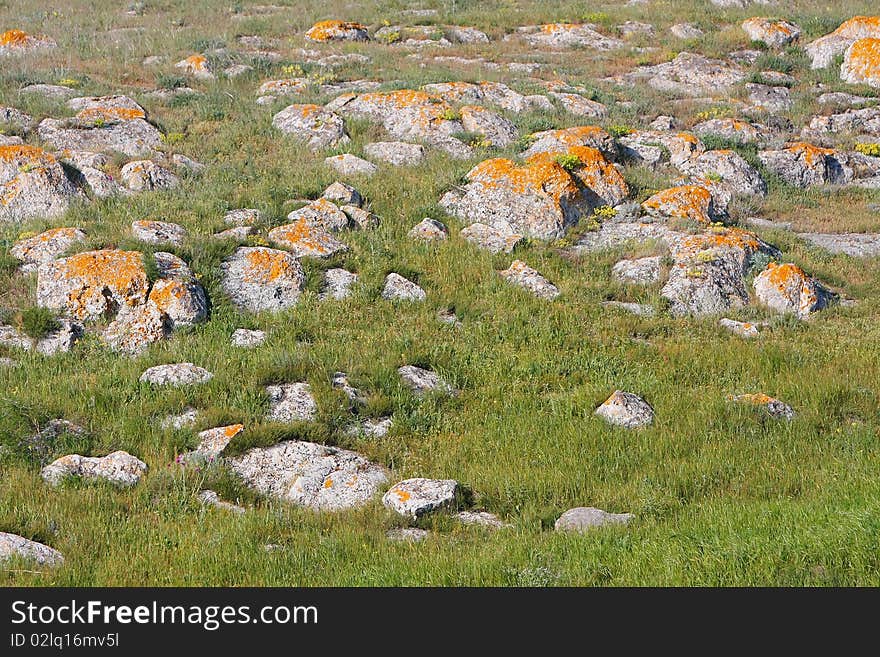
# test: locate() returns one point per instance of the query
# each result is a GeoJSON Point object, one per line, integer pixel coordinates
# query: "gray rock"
{"type": "Point", "coordinates": [321, 213]}
{"type": "Point", "coordinates": [407, 534]}
{"type": "Point", "coordinates": [429, 230]}
{"type": "Point", "coordinates": [770, 99]}
{"type": "Point", "coordinates": [728, 169]}
{"type": "Point", "coordinates": [337, 284]}
{"type": "Point", "coordinates": [423, 382]}
{"type": "Point", "coordinates": [310, 475]}
{"type": "Point", "coordinates": [303, 238]}
{"type": "Point", "coordinates": [582, 519]}
{"type": "Point", "coordinates": [158, 232]}
{"type": "Point", "coordinates": [777, 409]}
{"type": "Point", "coordinates": [563, 35]}
{"type": "Point", "coordinates": [351, 165]}
{"type": "Point", "coordinates": [316, 127]}
{"type": "Point", "coordinates": [491, 239]}
{"type": "Point", "coordinates": [497, 130]}
{"type": "Point", "coordinates": [396, 153]}
{"type": "Point", "coordinates": [146, 175]}
{"type": "Point", "coordinates": [580, 106]}
{"type": "Point", "coordinates": [187, 418]}
{"type": "Point", "coordinates": [247, 339]}
{"type": "Point", "coordinates": [343, 194]}
{"type": "Point", "coordinates": [857, 245]}
{"type": "Point", "coordinates": [33, 184]}
{"type": "Point", "coordinates": [787, 289]}
{"type": "Point", "coordinates": [823, 50]}
{"type": "Point", "coordinates": [243, 217]}
{"type": "Point", "coordinates": [340, 382]}
{"type": "Point", "coordinates": [211, 498]}
{"type": "Point", "coordinates": [640, 309]}
{"type": "Point", "coordinates": [804, 165]}
{"type": "Point", "coordinates": [482, 519]}
{"type": "Point", "coordinates": [15, 546]}
{"type": "Point", "coordinates": [291, 402]}
{"type": "Point", "coordinates": [772, 33]}
{"type": "Point", "coordinates": [176, 374]}
{"type": "Point", "coordinates": [398, 288]}
{"type": "Point", "coordinates": [686, 31]}
{"type": "Point", "coordinates": [48, 91]}
{"type": "Point", "coordinates": [135, 329]}
{"type": "Point", "coordinates": [742, 329]}
{"type": "Point", "coordinates": [690, 75]}
{"type": "Point", "coordinates": [260, 279]}
{"type": "Point", "coordinates": [643, 271]}
{"type": "Point", "coordinates": [371, 428]}
{"type": "Point", "coordinates": [119, 468]}
{"type": "Point", "coordinates": [626, 409]}
{"type": "Point", "coordinates": [417, 497]}
{"type": "Point", "coordinates": [521, 275]}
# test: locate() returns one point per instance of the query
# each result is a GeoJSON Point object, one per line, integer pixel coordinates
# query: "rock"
{"type": "Point", "coordinates": [212, 442]}
{"type": "Point", "coordinates": [60, 340]}
{"type": "Point", "coordinates": [568, 35]}
{"type": "Point", "coordinates": [857, 245]}
{"type": "Point", "coordinates": [467, 35]}
{"type": "Point", "coordinates": [626, 410]}
{"type": "Point", "coordinates": [33, 184]}
{"type": "Point", "coordinates": [407, 534]}
{"type": "Point", "coordinates": [760, 222]}
{"type": "Point", "coordinates": [247, 339]}
{"type": "Point", "coordinates": [652, 147]}
{"type": "Point", "coordinates": [236, 70]}
{"type": "Point", "coordinates": [642, 271]}
{"type": "Point", "coordinates": [371, 428]}
{"type": "Point", "coordinates": [491, 239]}
{"type": "Point", "coordinates": [15, 546]}
{"type": "Point", "coordinates": [196, 66]}
{"type": "Point", "coordinates": [482, 93]}
{"type": "Point", "coordinates": [742, 329]}
{"type": "Point", "coordinates": [417, 497]}
{"type": "Point", "coordinates": [709, 270]}
{"type": "Point", "coordinates": [340, 382]}
{"type": "Point", "coordinates": [398, 288]}
{"type": "Point", "coordinates": [243, 217]}
{"type": "Point", "coordinates": [311, 124]}
{"type": "Point", "coordinates": [310, 475]}
{"type": "Point", "coordinates": [803, 165]}
{"type": "Point", "coordinates": [842, 99]}
{"type": "Point", "coordinates": [423, 382]}
{"type": "Point", "coordinates": [335, 30]}
{"type": "Point", "coordinates": [613, 235]}
{"type": "Point", "coordinates": [582, 519]}
{"type": "Point", "coordinates": [787, 288]}
{"type": "Point", "coordinates": [772, 33]}
{"type": "Point", "coordinates": [396, 153]}
{"type": "Point", "coordinates": [429, 230]}
{"type": "Point", "coordinates": [344, 194]}
{"type": "Point", "coordinates": [690, 75]}
{"type": "Point", "coordinates": [306, 238]}
{"type": "Point", "coordinates": [639, 309]}
{"type": "Point", "coordinates": [580, 106]}
{"type": "Point", "coordinates": [135, 329]}
{"type": "Point", "coordinates": [17, 42]}
{"type": "Point", "coordinates": [119, 468]}
{"type": "Point", "coordinates": [861, 63]}
{"type": "Point", "coordinates": [520, 274]}
{"type": "Point", "coordinates": [558, 142]}
{"type": "Point", "coordinates": [496, 130]}
{"type": "Point", "coordinates": [766, 98]}
{"type": "Point", "coordinates": [146, 175]}
{"type": "Point", "coordinates": [338, 284]}
{"type": "Point", "coordinates": [727, 168]}
{"type": "Point", "coordinates": [635, 29]}
{"type": "Point", "coordinates": [158, 232]}
{"type": "Point", "coordinates": [238, 233]}
{"type": "Point", "coordinates": [865, 121]}
{"type": "Point", "coordinates": [45, 247]}
{"type": "Point", "coordinates": [321, 214]}
{"type": "Point", "coordinates": [823, 50]}
{"type": "Point", "coordinates": [693, 202]}
{"type": "Point", "coordinates": [482, 519]}
{"type": "Point", "coordinates": [360, 218]}
{"type": "Point", "coordinates": [686, 31]}
{"type": "Point", "coordinates": [211, 498]}
{"type": "Point", "coordinates": [778, 410]}
{"type": "Point", "coordinates": [187, 418]}
{"type": "Point", "coordinates": [351, 165]}
{"type": "Point", "coordinates": [48, 91]}
{"type": "Point", "coordinates": [176, 374]}
{"type": "Point", "coordinates": [291, 402]}
{"type": "Point", "coordinates": [187, 164]}
{"type": "Point", "coordinates": [260, 279]}
{"type": "Point", "coordinates": [182, 301]}
{"type": "Point", "coordinates": [15, 118]}
{"type": "Point", "coordinates": [736, 130]}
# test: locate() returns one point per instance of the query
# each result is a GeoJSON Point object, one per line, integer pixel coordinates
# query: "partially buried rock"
{"type": "Point", "coordinates": [642, 271]}
{"type": "Point", "coordinates": [742, 329]}
{"type": "Point", "coordinates": [311, 124]}
{"type": "Point", "coordinates": [396, 153]}
{"type": "Point", "coordinates": [491, 239]}
{"type": "Point", "coordinates": [176, 374]}
{"type": "Point", "coordinates": [15, 546]}
{"type": "Point", "coordinates": [422, 381]}
{"type": "Point", "coordinates": [310, 475]}
{"type": "Point", "coordinates": [247, 338]}
{"type": "Point", "coordinates": [291, 402]}
{"type": "Point", "coordinates": [786, 288]}
{"type": "Point", "coordinates": [583, 518]}
{"type": "Point", "coordinates": [337, 284]}
{"type": "Point", "coordinates": [303, 238]}
{"type": "Point", "coordinates": [626, 409]}
{"type": "Point", "coordinates": [146, 175]}
{"type": "Point", "coordinates": [260, 279]}
{"type": "Point", "coordinates": [335, 30]}
{"type": "Point", "coordinates": [211, 498]}
{"type": "Point", "coordinates": [776, 409]}
{"type": "Point", "coordinates": [196, 66]}
{"type": "Point", "coordinates": [16, 42]}
{"type": "Point", "coordinates": [45, 247]}
{"type": "Point", "coordinates": [398, 288]}
{"type": "Point", "coordinates": [212, 442]}
{"type": "Point", "coordinates": [773, 33]}
{"type": "Point", "coordinates": [120, 468]}
{"type": "Point", "coordinates": [407, 534]}
{"type": "Point", "coordinates": [134, 329]}
{"type": "Point", "coordinates": [32, 184]}
{"type": "Point", "coordinates": [322, 214]}
{"type": "Point", "coordinates": [351, 165]}
{"type": "Point", "coordinates": [482, 519]}
{"type": "Point", "coordinates": [521, 275]}
{"type": "Point", "coordinates": [243, 217]}
{"type": "Point", "coordinates": [417, 497]}
{"type": "Point", "coordinates": [158, 232]}
{"type": "Point", "coordinates": [429, 230]}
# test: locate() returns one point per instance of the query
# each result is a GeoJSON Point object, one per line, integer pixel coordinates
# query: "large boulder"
{"type": "Point", "coordinates": [259, 278]}
{"type": "Point", "coordinates": [32, 184]}
{"type": "Point", "coordinates": [787, 289]}
{"type": "Point", "coordinates": [803, 165]}
{"type": "Point", "coordinates": [120, 468]}
{"type": "Point", "coordinates": [823, 50]}
{"type": "Point", "coordinates": [313, 125]}
{"type": "Point", "coordinates": [861, 63]}
{"type": "Point", "coordinates": [729, 169]}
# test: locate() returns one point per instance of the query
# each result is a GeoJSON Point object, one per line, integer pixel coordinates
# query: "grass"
{"type": "Point", "coordinates": [722, 495]}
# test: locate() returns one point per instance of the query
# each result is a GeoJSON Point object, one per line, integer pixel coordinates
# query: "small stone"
{"type": "Point", "coordinates": [481, 518]}
{"type": "Point", "coordinates": [291, 402]}
{"type": "Point", "coordinates": [343, 194]}
{"type": "Point", "coordinates": [212, 442]}
{"type": "Point", "coordinates": [407, 534]}
{"type": "Point", "coordinates": [337, 284]}
{"type": "Point", "coordinates": [640, 309]}
{"type": "Point", "coordinates": [786, 288]}
{"type": "Point", "coordinates": [520, 274]}
{"type": "Point", "coordinates": [429, 230]}
{"type": "Point", "coordinates": [422, 381]}
{"type": "Point", "coordinates": [742, 329]}
{"type": "Point", "coordinates": [313, 125]}
{"type": "Point", "coordinates": [146, 175]}
{"type": "Point", "coordinates": [243, 217]}
{"type": "Point", "coordinates": [686, 31]}
{"type": "Point", "coordinates": [120, 468]}
{"type": "Point", "coordinates": [417, 497]}
{"type": "Point", "coordinates": [321, 214]}
{"type": "Point", "coordinates": [306, 239]}
{"type": "Point", "coordinates": [211, 498]}
{"type": "Point", "coordinates": [585, 518]}
{"type": "Point", "coordinates": [158, 232]}
{"type": "Point", "coordinates": [15, 546]}
{"type": "Point", "coordinates": [247, 339]}
{"type": "Point", "coordinates": [360, 218]}
{"type": "Point", "coordinates": [340, 382]}
{"type": "Point", "coordinates": [351, 165]}
{"type": "Point", "coordinates": [237, 233]}
{"type": "Point", "coordinates": [398, 288]}
{"type": "Point", "coordinates": [776, 409]}
{"type": "Point", "coordinates": [176, 374]}
{"type": "Point", "coordinates": [371, 428]}
{"type": "Point", "coordinates": [182, 420]}
{"type": "Point", "coordinates": [626, 410]}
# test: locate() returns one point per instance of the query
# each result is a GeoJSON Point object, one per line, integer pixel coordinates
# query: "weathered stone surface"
{"type": "Point", "coordinates": [786, 288]}
{"type": "Point", "coordinates": [261, 279]}
{"type": "Point", "coordinates": [857, 245]}
{"type": "Point", "coordinates": [335, 30]}
{"type": "Point", "coordinates": [494, 128]}
{"type": "Point", "coordinates": [243, 217]}
{"type": "Point", "coordinates": [18, 42]}
{"type": "Point", "coordinates": [310, 475]}
{"type": "Point", "coordinates": [321, 213]}
{"type": "Point", "coordinates": [60, 340]}
{"type": "Point", "coordinates": [158, 232]}
{"type": "Point", "coordinates": [654, 146]}
{"type": "Point", "coordinates": [398, 288]}
{"type": "Point", "coordinates": [568, 35]}
{"type": "Point", "coordinates": [15, 546]}
{"type": "Point", "coordinates": [727, 168]}
{"type": "Point", "coordinates": [422, 381]}
{"type": "Point", "coordinates": [861, 63]}
{"type": "Point", "coordinates": [767, 98]}
{"type": "Point", "coordinates": [247, 339]}
{"type": "Point", "coordinates": [176, 374]}
{"type": "Point", "coordinates": [580, 106]}
{"type": "Point", "coordinates": [823, 50]}
{"type": "Point", "coordinates": [483, 93]}
{"type": "Point", "coordinates": [686, 31]}
{"type": "Point", "coordinates": [351, 165]}
{"type": "Point", "coordinates": [344, 194]}
{"type": "Point", "coordinates": [32, 184]}
{"type": "Point", "coordinates": [802, 165]}
{"type": "Point", "coordinates": [690, 75]}
{"type": "Point", "coordinates": [864, 121]}
{"type": "Point", "coordinates": [45, 247]}
{"type": "Point", "coordinates": [642, 271]}
{"type": "Point", "coordinates": [212, 442]}
{"type": "Point", "coordinates": [396, 153]}
{"type": "Point", "coordinates": [772, 33]}
{"type": "Point", "coordinates": [491, 239]}
{"type": "Point", "coordinates": [693, 202]}
{"type": "Point", "coordinates": [338, 284]}
{"type": "Point", "coordinates": [305, 238]}
{"type": "Point", "coordinates": [558, 142]}
{"type": "Point", "coordinates": [520, 274]}
{"type": "Point", "coordinates": [407, 534]}
{"type": "Point", "coordinates": [360, 218]}
{"type": "Point", "coordinates": [614, 235]}
{"type": "Point", "coordinates": [626, 409]}
{"type": "Point", "coordinates": [182, 420]}
{"type": "Point", "coordinates": [429, 230]}
{"type": "Point", "coordinates": [313, 125]}
{"type": "Point", "coordinates": [146, 176]}
{"type": "Point", "coordinates": [291, 402]}
{"type": "Point", "coordinates": [179, 297]}
{"type": "Point", "coordinates": [371, 428]}
{"type": "Point", "coordinates": [418, 496]}
{"type": "Point", "coordinates": [481, 519]}
{"type": "Point", "coordinates": [777, 409]}
{"type": "Point", "coordinates": [582, 519]}
{"type": "Point", "coordinates": [197, 66]}
{"type": "Point", "coordinates": [340, 382]}
{"type": "Point", "coordinates": [120, 468]}
{"type": "Point", "coordinates": [135, 329]}
{"type": "Point", "coordinates": [734, 129]}
{"type": "Point", "coordinates": [211, 498]}
{"type": "Point", "coordinates": [742, 329]}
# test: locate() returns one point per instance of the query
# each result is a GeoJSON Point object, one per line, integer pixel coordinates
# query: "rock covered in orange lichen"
{"type": "Point", "coordinates": [735, 129]}
{"type": "Point", "coordinates": [493, 93]}
{"type": "Point", "coordinates": [212, 442]}
{"type": "Point", "coordinates": [197, 66]}
{"type": "Point", "coordinates": [773, 33]}
{"type": "Point", "coordinates": [775, 408]}
{"type": "Point", "coordinates": [32, 184]}
{"type": "Point", "coordinates": [335, 30]}
{"type": "Point", "coordinates": [802, 164]}
{"type": "Point", "coordinates": [45, 247]}
{"type": "Point", "coordinates": [305, 238]}
{"type": "Point", "coordinates": [728, 171]}
{"type": "Point", "coordinates": [259, 278]}
{"type": "Point", "coordinates": [693, 202]}
{"type": "Point", "coordinates": [317, 127]}
{"type": "Point", "coordinates": [17, 41]}
{"type": "Point", "coordinates": [559, 141]}
{"type": "Point", "coordinates": [823, 50]}
{"type": "Point", "coordinates": [569, 35]}
{"type": "Point", "coordinates": [861, 64]}
{"type": "Point", "coordinates": [786, 288]}
{"type": "Point", "coordinates": [135, 329]}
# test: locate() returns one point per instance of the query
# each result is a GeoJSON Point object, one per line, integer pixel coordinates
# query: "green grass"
{"type": "Point", "coordinates": [721, 494]}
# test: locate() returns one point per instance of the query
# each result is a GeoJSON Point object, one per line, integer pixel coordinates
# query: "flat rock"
{"type": "Point", "coordinates": [15, 546]}
{"type": "Point", "coordinates": [243, 217]}
{"type": "Point", "coordinates": [642, 271]}
{"type": "Point", "coordinates": [568, 35]}
{"type": "Point", "coordinates": [176, 374]}
{"type": "Point", "coordinates": [521, 275]}
{"type": "Point", "coordinates": [247, 338]}
{"type": "Point", "coordinates": [119, 468]}
{"type": "Point", "coordinates": [742, 329]}
{"type": "Point", "coordinates": [626, 409]}
{"type": "Point", "coordinates": [423, 382]}
{"type": "Point", "coordinates": [639, 309]}
{"type": "Point", "coordinates": [260, 279]}
{"type": "Point", "coordinates": [583, 518]}
{"type": "Point", "coordinates": [182, 420]}
{"type": "Point", "coordinates": [211, 498]}
{"type": "Point", "coordinates": [351, 165]}
{"type": "Point", "coordinates": [482, 519]}
{"type": "Point", "coordinates": [407, 534]}
{"type": "Point", "coordinates": [337, 284]}
{"type": "Point", "coordinates": [417, 497]}
{"type": "Point", "coordinates": [291, 402]}
{"type": "Point", "coordinates": [398, 288]}
{"type": "Point", "coordinates": [491, 239]}
{"type": "Point", "coordinates": [158, 232]}
{"type": "Point", "coordinates": [429, 230]}
{"type": "Point", "coordinates": [776, 409]}
{"type": "Point", "coordinates": [396, 153]}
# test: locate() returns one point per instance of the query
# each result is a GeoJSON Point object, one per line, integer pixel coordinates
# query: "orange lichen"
{"type": "Point", "coordinates": [94, 272]}
{"type": "Point", "coordinates": [166, 293]}
{"type": "Point", "coordinates": [14, 39]}
{"type": "Point", "coordinates": [196, 62]}
{"type": "Point", "coordinates": [577, 136]}
{"type": "Point", "coordinates": [302, 233]}
{"type": "Point", "coordinates": [92, 114]}
{"type": "Point", "coordinates": [782, 276]}
{"type": "Point", "coordinates": [403, 495]}
{"type": "Point", "coordinates": [541, 175]}
{"type": "Point", "coordinates": [768, 26]}
{"type": "Point", "coordinates": [308, 110]}
{"type": "Point", "coordinates": [326, 30]}
{"type": "Point", "coordinates": [759, 399]}
{"type": "Point", "coordinates": [859, 26]}
{"type": "Point", "coordinates": [685, 202]}
{"type": "Point", "coordinates": [863, 60]}
{"type": "Point", "coordinates": [552, 28]}
{"type": "Point", "coordinates": [809, 152]}
{"type": "Point", "coordinates": [266, 265]}
{"type": "Point", "coordinates": [20, 154]}
{"type": "Point", "coordinates": [402, 99]}
{"type": "Point", "coordinates": [735, 238]}
{"type": "Point", "coordinates": [328, 483]}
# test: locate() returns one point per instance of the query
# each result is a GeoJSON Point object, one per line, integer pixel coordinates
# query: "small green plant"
{"type": "Point", "coordinates": [620, 130]}
{"type": "Point", "coordinates": [37, 322]}
{"type": "Point", "coordinates": [568, 161]}
{"type": "Point", "coordinates": [714, 176]}
{"type": "Point", "coordinates": [450, 115]}
{"type": "Point", "coordinates": [388, 37]}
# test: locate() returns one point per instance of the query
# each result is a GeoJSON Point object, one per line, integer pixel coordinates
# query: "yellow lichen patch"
{"type": "Point", "coordinates": [233, 430]}
{"type": "Point", "coordinates": [266, 266]}
{"type": "Point", "coordinates": [809, 152]}
{"type": "Point", "coordinates": [403, 99]}
{"type": "Point", "coordinates": [93, 114]}
{"type": "Point", "coordinates": [863, 60]}
{"type": "Point", "coordinates": [541, 175]}
{"type": "Point", "coordinates": [577, 136]}
{"type": "Point", "coordinates": [684, 202]}
{"type": "Point", "coordinates": [721, 238]}
{"type": "Point", "coordinates": [758, 399]}
{"type": "Point", "coordinates": [552, 28]}
{"type": "Point", "coordinates": [327, 30]}
{"type": "Point", "coordinates": [328, 483]}
{"type": "Point", "coordinates": [688, 137]}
